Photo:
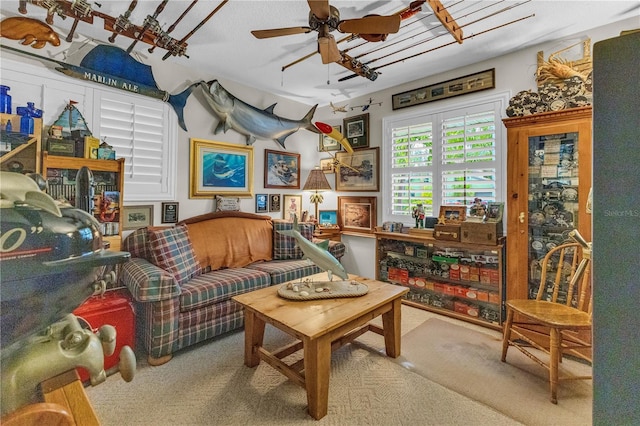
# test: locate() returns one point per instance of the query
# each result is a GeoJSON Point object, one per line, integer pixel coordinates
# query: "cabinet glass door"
{"type": "Point", "coordinates": [553, 197]}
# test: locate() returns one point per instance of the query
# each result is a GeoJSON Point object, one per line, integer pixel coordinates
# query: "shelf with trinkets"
{"type": "Point", "coordinates": [20, 152]}
{"type": "Point", "coordinates": [461, 280]}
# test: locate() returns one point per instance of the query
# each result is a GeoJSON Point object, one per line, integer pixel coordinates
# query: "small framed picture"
{"type": "Point", "coordinates": [292, 207]}
{"type": "Point", "coordinates": [495, 211]}
{"type": "Point", "coordinates": [357, 214]}
{"type": "Point", "coordinates": [327, 165]}
{"type": "Point", "coordinates": [281, 169]}
{"type": "Point", "coordinates": [357, 130]}
{"type": "Point", "coordinates": [261, 203]}
{"type": "Point", "coordinates": [135, 217]}
{"type": "Point", "coordinates": [328, 218]}
{"type": "Point", "coordinates": [329, 144]}
{"type": "Point", "coordinates": [453, 215]}
{"type": "Point", "coordinates": [169, 212]}
{"type": "Point", "coordinates": [274, 202]}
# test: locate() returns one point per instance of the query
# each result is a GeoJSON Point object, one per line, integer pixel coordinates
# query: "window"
{"type": "Point", "coordinates": [447, 157]}
{"type": "Point", "coordinates": [142, 131]}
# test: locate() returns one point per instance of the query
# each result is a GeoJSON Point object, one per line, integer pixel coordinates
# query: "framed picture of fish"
{"type": "Point", "coordinates": [356, 130]}
{"type": "Point", "coordinates": [329, 144]}
{"type": "Point", "coordinates": [219, 168]}
{"type": "Point", "coordinates": [292, 207]}
{"type": "Point", "coordinates": [357, 214]}
{"type": "Point", "coordinates": [281, 169]}
{"type": "Point", "coordinates": [358, 171]}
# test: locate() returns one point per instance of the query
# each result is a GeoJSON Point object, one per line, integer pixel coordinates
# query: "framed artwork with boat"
{"type": "Point", "coordinates": [218, 168]}
{"type": "Point", "coordinates": [281, 169]}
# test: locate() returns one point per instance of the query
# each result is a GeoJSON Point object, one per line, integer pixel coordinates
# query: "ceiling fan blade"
{"type": "Point", "coordinates": [328, 49]}
{"type": "Point", "coordinates": [320, 8]}
{"type": "Point", "coordinates": [277, 32]}
{"type": "Point", "coordinates": [371, 25]}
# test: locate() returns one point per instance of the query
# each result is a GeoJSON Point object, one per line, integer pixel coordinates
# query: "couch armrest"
{"type": "Point", "coordinates": [147, 282]}
{"type": "Point", "coordinates": [336, 248]}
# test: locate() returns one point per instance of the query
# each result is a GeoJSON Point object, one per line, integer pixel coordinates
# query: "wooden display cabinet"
{"type": "Point", "coordinates": [460, 280]}
{"type": "Point", "coordinates": [548, 182]}
{"type": "Point", "coordinates": [60, 173]}
{"type": "Point", "coordinates": [20, 152]}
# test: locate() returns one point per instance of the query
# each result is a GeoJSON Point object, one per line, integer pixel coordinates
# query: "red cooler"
{"type": "Point", "coordinates": [113, 308]}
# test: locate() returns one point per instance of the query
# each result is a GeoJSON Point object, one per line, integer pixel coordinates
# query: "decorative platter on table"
{"type": "Point", "coordinates": [310, 290]}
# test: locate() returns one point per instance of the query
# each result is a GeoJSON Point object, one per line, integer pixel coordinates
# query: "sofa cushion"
{"type": "Point", "coordinates": [219, 286]}
{"type": "Point", "coordinates": [137, 243]}
{"type": "Point", "coordinates": [171, 250]}
{"type": "Point", "coordinates": [286, 270]}
{"type": "Point", "coordinates": [285, 247]}
{"type": "Point", "coordinates": [230, 239]}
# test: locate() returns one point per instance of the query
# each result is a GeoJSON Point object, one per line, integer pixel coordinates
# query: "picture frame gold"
{"type": "Point", "coordinates": [292, 204]}
{"type": "Point", "coordinates": [356, 130]}
{"type": "Point", "coordinates": [452, 215]}
{"type": "Point", "coordinates": [471, 83]}
{"type": "Point", "coordinates": [326, 143]}
{"type": "Point", "coordinates": [357, 214]}
{"type": "Point", "coordinates": [220, 168]}
{"type": "Point", "coordinates": [134, 217]}
{"type": "Point", "coordinates": [358, 171]}
{"type": "Point", "coordinates": [327, 165]}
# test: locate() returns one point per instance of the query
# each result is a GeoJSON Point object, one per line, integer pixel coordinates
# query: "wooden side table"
{"type": "Point", "coordinates": [332, 234]}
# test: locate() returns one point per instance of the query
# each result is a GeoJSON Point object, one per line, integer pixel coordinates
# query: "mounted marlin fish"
{"type": "Point", "coordinates": [317, 253]}
{"type": "Point", "coordinates": [250, 121]}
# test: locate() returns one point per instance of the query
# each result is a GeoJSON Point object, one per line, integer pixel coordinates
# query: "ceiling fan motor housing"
{"type": "Point", "coordinates": [332, 21]}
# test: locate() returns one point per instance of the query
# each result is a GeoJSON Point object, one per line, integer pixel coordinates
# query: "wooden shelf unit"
{"type": "Point", "coordinates": [113, 169]}
{"type": "Point", "coordinates": [473, 293]}
{"type": "Point", "coordinates": [25, 149]}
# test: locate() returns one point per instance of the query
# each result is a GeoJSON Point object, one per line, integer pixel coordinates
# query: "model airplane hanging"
{"type": "Point", "coordinates": [338, 108]}
{"type": "Point", "coordinates": [250, 121]}
{"type": "Point", "coordinates": [365, 107]}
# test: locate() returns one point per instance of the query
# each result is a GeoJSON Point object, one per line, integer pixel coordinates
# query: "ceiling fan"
{"type": "Point", "coordinates": [325, 18]}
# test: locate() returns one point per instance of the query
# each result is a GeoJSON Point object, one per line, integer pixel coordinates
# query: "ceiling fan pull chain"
{"type": "Point", "coordinates": [328, 78]}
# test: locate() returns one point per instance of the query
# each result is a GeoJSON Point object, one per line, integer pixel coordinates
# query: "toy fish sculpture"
{"type": "Point", "coordinates": [250, 121]}
{"type": "Point", "coordinates": [317, 253]}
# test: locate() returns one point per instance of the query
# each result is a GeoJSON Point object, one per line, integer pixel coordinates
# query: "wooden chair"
{"type": "Point", "coordinates": [557, 321]}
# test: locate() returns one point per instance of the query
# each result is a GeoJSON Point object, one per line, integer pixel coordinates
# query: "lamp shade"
{"type": "Point", "coordinates": [316, 181]}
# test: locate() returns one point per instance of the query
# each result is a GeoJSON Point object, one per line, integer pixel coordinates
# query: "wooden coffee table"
{"type": "Point", "coordinates": [320, 326]}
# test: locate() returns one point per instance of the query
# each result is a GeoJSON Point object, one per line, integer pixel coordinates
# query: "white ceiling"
{"type": "Point", "coordinates": [224, 47]}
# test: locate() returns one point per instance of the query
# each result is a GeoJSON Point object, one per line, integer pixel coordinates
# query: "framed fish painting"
{"type": "Point", "coordinates": [219, 168]}
{"type": "Point", "coordinates": [281, 169]}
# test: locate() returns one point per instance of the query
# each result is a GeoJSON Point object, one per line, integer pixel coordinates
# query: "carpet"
{"type": "Point", "coordinates": [468, 362]}
{"type": "Point", "coordinates": [208, 384]}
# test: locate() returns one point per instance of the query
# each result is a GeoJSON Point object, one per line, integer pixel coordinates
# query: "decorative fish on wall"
{"type": "Point", "coordinates": [113, 67]}
{"type": "Point", "coordinates": [250, 121]}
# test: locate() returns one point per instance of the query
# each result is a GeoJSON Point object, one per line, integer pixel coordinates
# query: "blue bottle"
{"type": "Point", "coordinates": [9, 127]}
{"type": "Point", "coordinates": [26, 120]}
{"type": "Point", "coordinates": [5, 100]}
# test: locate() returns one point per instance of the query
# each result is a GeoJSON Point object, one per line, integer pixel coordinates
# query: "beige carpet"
{"type": "Point", "coordinates": [209, 385]}
{"type": "Point", "coordinates": [468, 362]}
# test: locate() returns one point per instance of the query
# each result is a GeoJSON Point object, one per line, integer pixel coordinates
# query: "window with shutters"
{"type": "Point", "coordinates": [142, 131]}
{"type": "Point", "coordinates": [447, 157]}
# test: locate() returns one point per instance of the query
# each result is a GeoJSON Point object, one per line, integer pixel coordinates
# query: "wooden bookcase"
{"type": "Point", "coordinates": [22, 153]}
{"type": "Point", "coordinates": [460, 280]}
{"type": "Point", "coordinates": [60, 173]}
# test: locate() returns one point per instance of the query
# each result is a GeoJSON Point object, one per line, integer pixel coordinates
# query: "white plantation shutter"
{"type": "Point", "coordinates": [140, 130]}
{"type": "Point", "coordinates": [442, 158]}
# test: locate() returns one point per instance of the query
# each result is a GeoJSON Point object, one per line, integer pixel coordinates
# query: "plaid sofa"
{"type": "Point", "coordinates": [182, 278]}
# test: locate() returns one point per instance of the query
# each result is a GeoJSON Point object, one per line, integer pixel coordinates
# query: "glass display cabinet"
{"type": "Point", "coordinates": [548, 183]}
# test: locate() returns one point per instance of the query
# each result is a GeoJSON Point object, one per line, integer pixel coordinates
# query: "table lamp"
{"type": "Point", "coordinates": [316, 181]}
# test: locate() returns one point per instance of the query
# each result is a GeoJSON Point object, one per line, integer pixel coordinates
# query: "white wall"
{"type": "Point", "coordinates": [514, 72]}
